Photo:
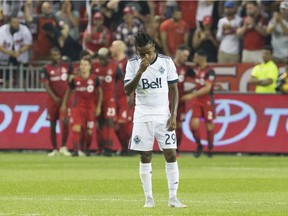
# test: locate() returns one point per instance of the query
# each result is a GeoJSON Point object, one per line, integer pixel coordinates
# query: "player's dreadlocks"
{"type": "Point", "coordinates": [143, 39]}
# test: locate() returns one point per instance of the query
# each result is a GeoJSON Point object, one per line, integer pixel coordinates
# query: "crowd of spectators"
{"type": "Point", "coordinates": [232, 31]}
{"type": "Point", "coordinates": [229, 31]}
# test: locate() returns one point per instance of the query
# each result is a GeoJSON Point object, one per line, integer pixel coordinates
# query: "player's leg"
{"type": "Point", "coordinates": [168, 142]}
{"type": "Point", "coordinates": [209, 116]}
{"type": "Point", "coordinates": [90, 127]}
{"type": "Point", "coordinates": [107, 132]}
{"type": "Point", "coordinates": [53, 116]}
{"type": "Point", "coordinates": [195, 123]}
{"type": "Point", "coordinates": [64, 132]}
{"type": "Point", "coordinates": [53, 139]}
{"type": "Point", "coordinates": [180, 119]}
{"type": "Point", "coordinates": [77, 123]}
{"type": "Point", "coordinates": [142, 140]}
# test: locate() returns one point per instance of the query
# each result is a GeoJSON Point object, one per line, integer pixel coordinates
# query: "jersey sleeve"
{"type": "Point", "coordinates": [172, 76]}
{"type": "Point", "coordinates": [27, 36]}
{"type": "Point", "coordinates": [130, 72]}
{"type": "Point", "coordinates": [210, 76]}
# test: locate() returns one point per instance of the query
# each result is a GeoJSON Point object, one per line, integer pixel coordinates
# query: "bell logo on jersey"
{"type": "Point", "coordinates": [153, 84]}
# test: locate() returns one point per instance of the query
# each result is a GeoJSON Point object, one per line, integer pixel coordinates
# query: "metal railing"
{"type": "Point", "coordinates": [21, 78]}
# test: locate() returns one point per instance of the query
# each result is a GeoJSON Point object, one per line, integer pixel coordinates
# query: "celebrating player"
{"type": "Point", "coordinates": [154, 78]}
{"type": "Point", "coordinates": [87, 88]}
{"type": "Point", "coordinates": [202, 101]}
{"type": "Point", "coordinates": [109, 73]}
{"type": "Point", "coordinates": [55, 78]}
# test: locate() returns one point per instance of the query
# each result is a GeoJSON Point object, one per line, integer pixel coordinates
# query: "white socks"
{"type": "Point", "coordinates": [145, 170]}
{"type": "Point", "coordinates": [172, 174]}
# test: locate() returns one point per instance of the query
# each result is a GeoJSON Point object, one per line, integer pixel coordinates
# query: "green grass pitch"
{"type": "Point", "coordinates": [33, 184]}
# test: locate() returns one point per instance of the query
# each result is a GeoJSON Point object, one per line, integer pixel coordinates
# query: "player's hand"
{"type": "Point", "coordinates": [171, 123]}
{"type": "Point", "coordinates": [63, 108]}
{"type": "Point", "coordinates": [144, 64]}
{"type": "Point", "coordinates": [57, 100]}
{"type": "Point", "coordinates": [187, 97]}
{"type": "Point", "coordinates": [97, 111]}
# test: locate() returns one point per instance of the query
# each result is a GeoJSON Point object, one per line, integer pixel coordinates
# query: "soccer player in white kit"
{"type": "Point", "coordinates": [154, 79]}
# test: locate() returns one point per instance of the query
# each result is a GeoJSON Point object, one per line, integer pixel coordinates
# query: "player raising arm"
{"type": "Point", "coordinates": [154, 78]}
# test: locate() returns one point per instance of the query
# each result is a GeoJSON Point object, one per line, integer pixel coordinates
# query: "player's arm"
{"type": "Point", "coordinates": [100, 98]}
{"type": "Point", "coordinates": [45, 79]}
{"type": "Point", "coordinates": [132, 84]}
{"type": "Point", "coordinates": [209, 79]}
{"type": "Point", "coordinates": [174, 99]}
{"type": "Point", "coordinates": [67, 94]}
{"type": "Point", "coordinates": [261, 82]}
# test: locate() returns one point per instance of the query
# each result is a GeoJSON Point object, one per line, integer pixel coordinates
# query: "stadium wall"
{"type": "Point", "coordinates": [249, 123]}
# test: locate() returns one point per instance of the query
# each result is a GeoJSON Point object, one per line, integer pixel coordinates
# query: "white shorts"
{"type": "Point", "coordinates": [144, 134]}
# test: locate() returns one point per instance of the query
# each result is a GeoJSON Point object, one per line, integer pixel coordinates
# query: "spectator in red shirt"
{"type": "Point", "coordinates": [42, 45]}
{"type": "Point", "coordinates": [55, 77]}
{"type": "Point", "coordinates": [97, 35]}
{"type": "Point", "coordinates": [173, 32]}
{"type": "Point", "coordinates": [253, 32]}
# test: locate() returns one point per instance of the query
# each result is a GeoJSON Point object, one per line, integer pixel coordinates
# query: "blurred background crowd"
{"type": "Point", "coordinates": [230, 31]}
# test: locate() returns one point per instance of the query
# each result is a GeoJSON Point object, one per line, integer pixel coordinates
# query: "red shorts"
{"type": "Point", "coordinates": [122, 110]}
{"type": "Point", "coordinates": [181, 112]}
{"type": "Point", "coordinates": [54, 111]}
{"type": "Point", "coordinates": [83, 117]}
{"type": "Point", "coordinates": [108, 110]}
{"type": "Point", "coordinates": [205, 111]}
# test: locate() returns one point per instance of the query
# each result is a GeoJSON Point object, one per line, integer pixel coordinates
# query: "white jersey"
{"type": "Point", "coordinates": [20, 38]}
{"type": "Point", "coordinates": [152, 99]}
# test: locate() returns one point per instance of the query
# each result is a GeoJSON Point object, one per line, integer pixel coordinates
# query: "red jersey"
{"type": "Point", "coordinates": [253, 40]}
{"type": "Point", "coordinates": [175, 33]}
{"type": "Point", "coordinates": [108, 75]}
{"type": "Point", "coordinates": [98, 39]}
{"type": "Point", "coordinates": [85, 91]}
{"type": "Point", "coordinates": [57, 77]}
{"type": "Point", "coordinates": [200, 77]}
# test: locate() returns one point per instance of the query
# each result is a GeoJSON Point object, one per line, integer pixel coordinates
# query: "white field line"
{"type": "Point", "coordinates": [134, 200]}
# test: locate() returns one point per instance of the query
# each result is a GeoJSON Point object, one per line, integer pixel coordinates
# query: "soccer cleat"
{"type": "Point", "coordinates": [53, 153]}
{"type": "Point", "coordinates": [74, 154]}
{"type": "Point", "coordinates": [149, 202]}
{"type": "Point", "coordinates": [174, 202]}
{"type": "Point", "coordinates": [63, 151]}
{"type": "Point", "coordinates": [81, 153]}
{"type": "Point", "coordinates": [107, 152]}
{"type": "Point", "coordinates": [198, 151]}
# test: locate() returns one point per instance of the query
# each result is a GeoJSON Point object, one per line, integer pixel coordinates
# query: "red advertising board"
{"type": "Point", "coordinates": [244, 123]}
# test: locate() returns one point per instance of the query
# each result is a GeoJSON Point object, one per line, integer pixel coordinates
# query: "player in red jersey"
{"type": "Point", "coordinates": [202, 101]}
{"type": "Point", "coordinates": [87, 89]}
{"type": "Point", "coordinates": [109, 73]}
{"type": "Point", "coordinates": [124, 123]}
{"type": "Point", "coordinates": [181, 56]}
{"type": "Point", "coordinates": [55, 79]}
